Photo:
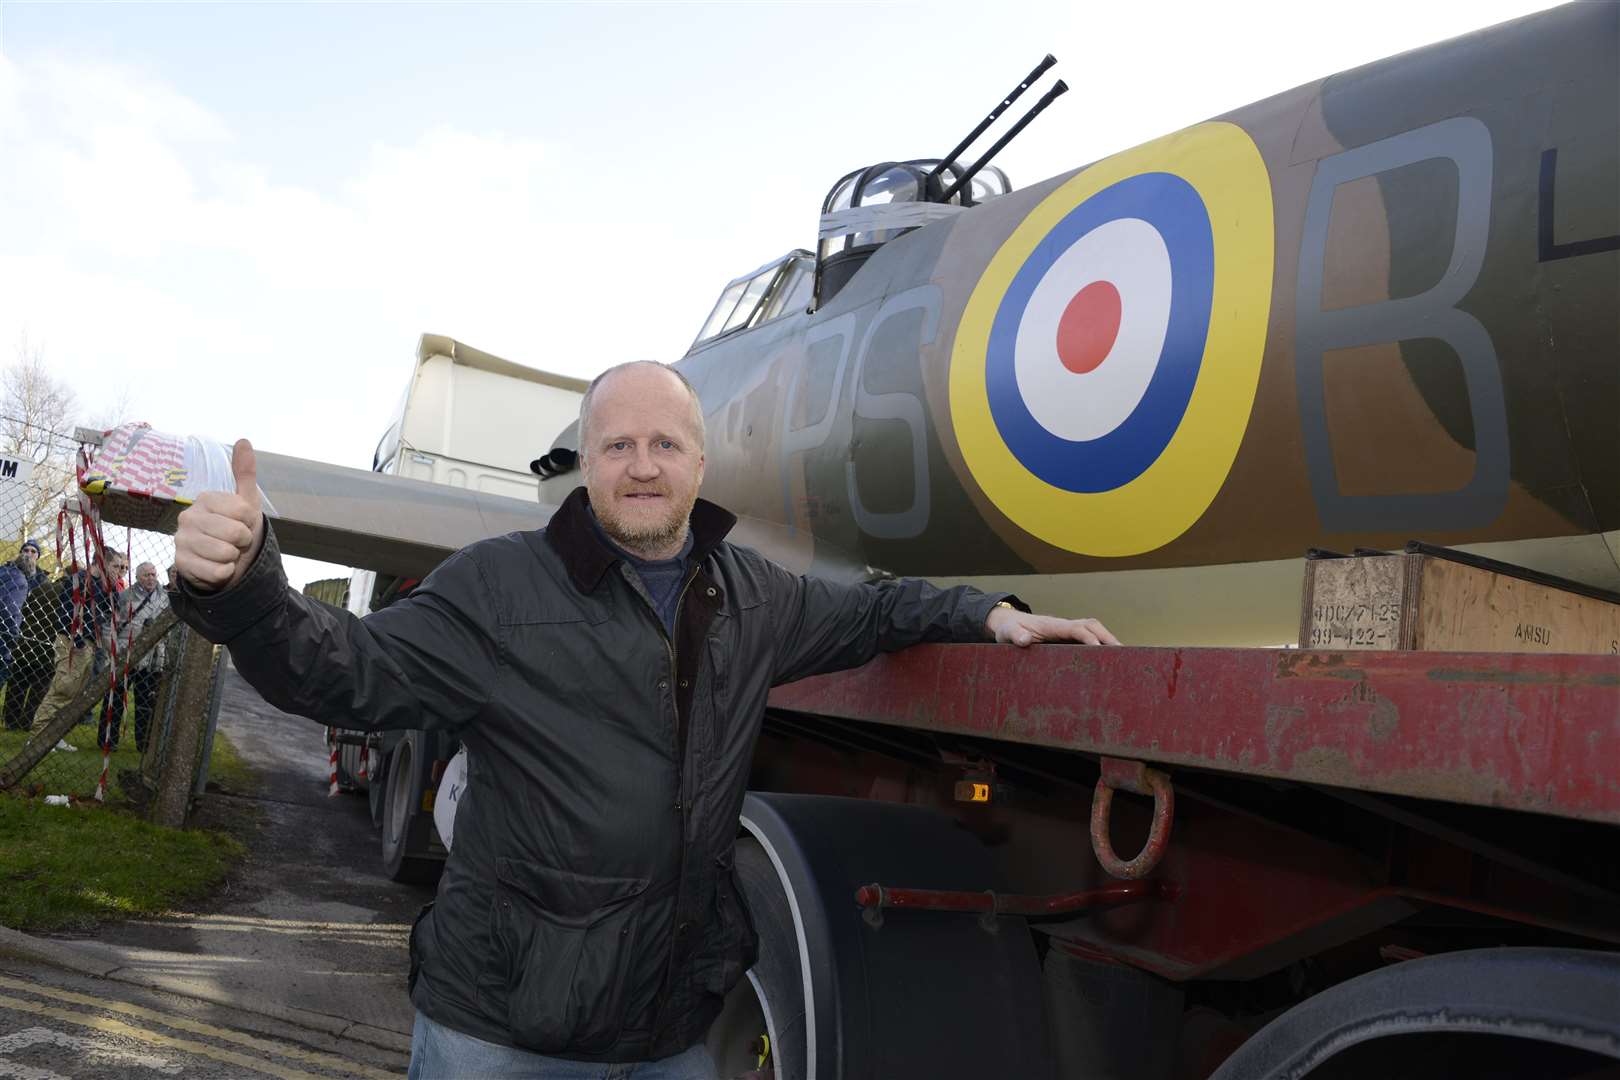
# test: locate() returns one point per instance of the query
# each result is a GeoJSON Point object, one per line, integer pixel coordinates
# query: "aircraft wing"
{"type": "Point", "coordinates": [353, 517]}
{"type": "Point", "coordinates": [359, 518]}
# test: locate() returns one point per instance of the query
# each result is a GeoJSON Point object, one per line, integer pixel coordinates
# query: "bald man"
{"type": "Point", "coordinates": [608, 675]}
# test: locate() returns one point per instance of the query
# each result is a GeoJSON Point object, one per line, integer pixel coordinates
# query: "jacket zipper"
{"type": "Point", "coordinates": [680, 725]}
{"type": "Point", "coordinates": [680, 798]}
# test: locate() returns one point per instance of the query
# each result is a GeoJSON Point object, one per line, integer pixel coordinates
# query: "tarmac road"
{"type": "Point", "coordinates": [308, 931]}
{"type": "Point", "coordinates": [59, 1025]}
{"type": "Point", "coordinates": [56, 1025]}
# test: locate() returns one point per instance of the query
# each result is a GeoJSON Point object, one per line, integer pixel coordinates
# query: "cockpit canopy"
{"type": "Point", "coordinates": [869, 207]}
{"type": "Point", "coordinates": [864, 210]}
{"type": "Point", "coordinates": [892, 182]}
{"type": "Point", "coordinates": [775, 289]}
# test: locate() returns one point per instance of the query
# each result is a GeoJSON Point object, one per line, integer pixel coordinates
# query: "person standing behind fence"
{"type": "Point", "coordinates": [86, 604]}
{"type": "Point", "coordinates": [31, 658]}
{"type": "Point", "coordinates": [141, 603]}
{"type": "Point", "coordinates": [17, 579]}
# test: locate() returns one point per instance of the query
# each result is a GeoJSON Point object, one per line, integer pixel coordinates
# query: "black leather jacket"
{"type": "Point", "coordinates": [589, 910]}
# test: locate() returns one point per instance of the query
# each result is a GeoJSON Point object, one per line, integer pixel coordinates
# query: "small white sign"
{"type": "Point", "coordinates": [14, 476]}
{"type": "Point", "coordinates": [452, 785]}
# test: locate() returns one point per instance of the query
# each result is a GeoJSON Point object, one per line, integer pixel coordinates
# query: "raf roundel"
{"type": "Point", "coordinates": [1108, 357]}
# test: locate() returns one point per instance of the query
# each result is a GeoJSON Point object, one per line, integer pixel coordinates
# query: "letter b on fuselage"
{"type": "Point", "coordinates": [1466, 143]}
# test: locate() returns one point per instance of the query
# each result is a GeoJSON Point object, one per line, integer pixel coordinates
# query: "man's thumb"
{"type": "Point", "coordinates": [246, 469]}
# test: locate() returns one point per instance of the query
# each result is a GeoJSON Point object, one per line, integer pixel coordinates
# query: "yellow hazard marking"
{"type": "Point", "coordinates": [118, 1027]}
{"type": "Point", "coordinates": [196, 1027]}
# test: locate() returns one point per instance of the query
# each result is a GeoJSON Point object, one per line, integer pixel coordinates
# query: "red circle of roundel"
{"type": "Point", "coordinates": [1088, 327]}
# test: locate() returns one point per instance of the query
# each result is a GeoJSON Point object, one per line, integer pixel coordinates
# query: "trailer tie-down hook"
{"type": "Point", "coordinates": [1133, 776]}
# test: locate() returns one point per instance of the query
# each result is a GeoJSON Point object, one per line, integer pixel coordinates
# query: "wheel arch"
{"type": "Point", "coordinates": [925, 985]}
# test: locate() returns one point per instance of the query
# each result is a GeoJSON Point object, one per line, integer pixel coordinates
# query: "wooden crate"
{"type": "Point", "coordinates": [1449, 602]}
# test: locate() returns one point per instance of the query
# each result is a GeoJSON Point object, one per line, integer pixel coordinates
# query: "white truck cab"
{"type": "Point", "coordinates": [472, 420]}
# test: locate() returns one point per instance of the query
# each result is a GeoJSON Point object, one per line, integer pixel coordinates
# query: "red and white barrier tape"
{"type": "Point", "coordinates": [101, 783]}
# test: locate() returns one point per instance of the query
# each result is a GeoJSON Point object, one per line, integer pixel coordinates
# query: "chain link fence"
{"type": "Point", "coordinates": [89, 650]}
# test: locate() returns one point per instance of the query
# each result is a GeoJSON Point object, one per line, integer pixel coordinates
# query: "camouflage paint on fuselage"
{"type": "Point", "coordinates": [1386, 308]}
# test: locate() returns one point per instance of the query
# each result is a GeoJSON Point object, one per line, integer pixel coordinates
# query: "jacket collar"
{"type": "Point", "coordinates": [587, 557]}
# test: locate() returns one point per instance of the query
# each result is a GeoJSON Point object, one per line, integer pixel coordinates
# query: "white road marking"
{"type": "Point", "coordinates": [266, 1046]}
{"type": "Point", "coordinates": [38, 1036]}
{"type": "Point", "coordinates": [117, 1027]}
{"type": "Point", "coordinates": [16, 1071]}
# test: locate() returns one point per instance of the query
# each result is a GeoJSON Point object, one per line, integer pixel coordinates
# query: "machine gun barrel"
{"type": "Point", "coordinates": [950, 159]}
{"type": "Point", "coordinates": [1058, 88]}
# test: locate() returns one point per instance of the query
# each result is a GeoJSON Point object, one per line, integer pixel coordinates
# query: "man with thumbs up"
{"type": "Point", "coordinates": [608, 675]}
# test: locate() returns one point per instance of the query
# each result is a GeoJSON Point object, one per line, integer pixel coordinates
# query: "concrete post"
{"type": "Point", "coordinates": [194, 676]}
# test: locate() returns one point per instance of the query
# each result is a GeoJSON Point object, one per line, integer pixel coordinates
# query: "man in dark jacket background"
{"type": "Point", "coordinates": [33, 657]}
{"type": "Point", "coordinates": [608, 675]}
{"type": "Point", "coordinates": [18, 578]}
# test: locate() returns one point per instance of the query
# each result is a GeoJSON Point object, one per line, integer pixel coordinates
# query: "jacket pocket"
{"type": "Point", "coordinates": [733, 945]}
{"type": "Point", "coordinates": [566, 942]}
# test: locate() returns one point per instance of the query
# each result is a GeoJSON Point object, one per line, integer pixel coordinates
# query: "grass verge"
{"type": "Point", "coordinates": [64, 867]}
{"type": "Point", "coordinates": [69, 867]}
{"type": "Point", "coordinates": [227, 769]}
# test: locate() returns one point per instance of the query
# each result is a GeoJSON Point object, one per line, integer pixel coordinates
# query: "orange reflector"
{"type": "Point", "coordinates": [972, 791]}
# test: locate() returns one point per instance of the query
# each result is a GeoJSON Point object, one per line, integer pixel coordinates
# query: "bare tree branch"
{"type": "Point", "coordinates": [117, 410]}
{"type": "Point", "coordinates": [36, 410]}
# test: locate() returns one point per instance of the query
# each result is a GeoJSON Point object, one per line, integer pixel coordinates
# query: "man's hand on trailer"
{"type": "Point", "coordinates": [219, 534]}
{"type": "Point", "coordinates": [1008, 625]}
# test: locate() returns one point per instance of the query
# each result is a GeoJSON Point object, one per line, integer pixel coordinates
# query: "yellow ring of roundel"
{"type": "Point", "coordinates": [1223, 165]}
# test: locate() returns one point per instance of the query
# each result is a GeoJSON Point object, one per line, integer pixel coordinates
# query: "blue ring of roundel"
{"type": "Point", "coordinates": [1173, 207]}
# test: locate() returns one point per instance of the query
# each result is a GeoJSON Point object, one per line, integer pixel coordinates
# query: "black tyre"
{"type": "Point", "coordinates": [404, 823]}
{"type": "Point", "coordinates": [1485, 1014]}
{"type": "Point", "coordinates": [769, 1002]}
{"type": "Point", "coordinates": [844, 995]}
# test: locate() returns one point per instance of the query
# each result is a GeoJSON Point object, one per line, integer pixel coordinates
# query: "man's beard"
{"type": "Point", "coordinates": [645, 535]}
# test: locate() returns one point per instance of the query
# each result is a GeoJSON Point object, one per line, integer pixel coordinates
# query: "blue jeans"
{"type": "Point", "coordinates": [439, 1053]}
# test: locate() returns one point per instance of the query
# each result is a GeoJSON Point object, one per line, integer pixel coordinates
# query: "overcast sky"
{"type": "Point", "coordinates": [238, 218]}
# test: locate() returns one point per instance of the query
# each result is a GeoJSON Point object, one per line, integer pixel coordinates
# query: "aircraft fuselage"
{"type": "Point", "coordinates": [1378, 307]}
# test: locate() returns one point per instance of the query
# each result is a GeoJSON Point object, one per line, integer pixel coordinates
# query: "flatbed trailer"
{"type": "Point", "coordinates": [1391, 864]}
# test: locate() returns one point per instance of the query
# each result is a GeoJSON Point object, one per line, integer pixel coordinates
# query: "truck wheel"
{"type": "Point", "coordinates": [403, 821]}
{"type": "Point", "coordinates": [769, 1002]}
{"type": "Point", "coordinates": [841, 994]}
{"type": "Point", "coordinates": [1549, 1013]}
